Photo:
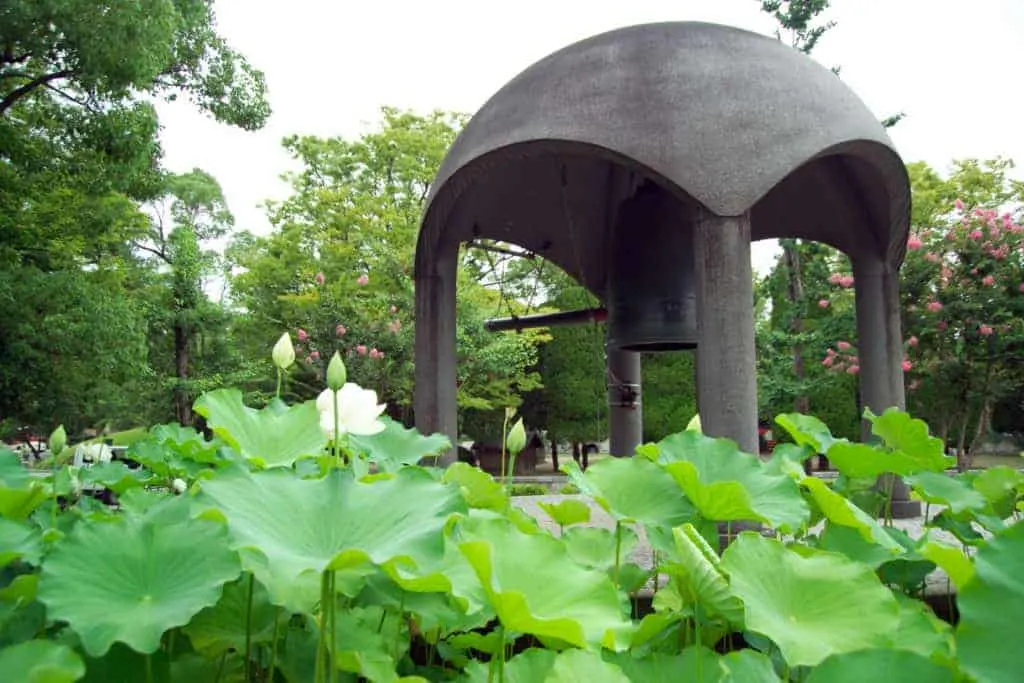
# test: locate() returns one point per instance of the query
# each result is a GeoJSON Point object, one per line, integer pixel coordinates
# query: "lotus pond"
{"type": "Point", "coordinates": [272, 553]}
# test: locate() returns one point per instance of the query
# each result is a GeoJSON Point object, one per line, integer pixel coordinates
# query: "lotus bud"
{"type": "Point", "coordinates": [58, 440]}
{"type": "Point", "coordinates": [283, 353]}
{"type": "Point", "coordinates": [510, 412]}
{"type": "Point", "coordinates": [336, 373]}
{"type": "Point", "coordinates": [516, 440]}
{"type": "Point", "coordinates": [179, 486]}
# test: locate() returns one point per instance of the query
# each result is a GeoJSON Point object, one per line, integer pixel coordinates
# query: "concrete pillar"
{"type": "Point", "coordinates": [880, 355]}
{"type": "Point", "coordinates": [435, 392]}
{"type": "Point", "coordinates": [726, 355]}
{"type": "Point", "coordinates": [625, 410]}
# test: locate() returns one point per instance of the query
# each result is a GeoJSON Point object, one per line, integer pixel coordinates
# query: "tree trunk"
{"type": "Point", "coordinates": [554, 456]}
{"type": "Point", "coordinates": [981, 431]}
{"type": "Point", "coordinates": [576, 452]}
{"type": "Point", "coordinates": [963, 461]}
{"type": "Point", "coordinates": [182, 405]}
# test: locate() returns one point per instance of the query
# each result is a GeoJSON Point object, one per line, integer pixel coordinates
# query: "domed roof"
{"type": "Point", "coordinates": [728, 119]}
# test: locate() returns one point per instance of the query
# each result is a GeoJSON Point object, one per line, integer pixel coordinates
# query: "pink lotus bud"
{"type": "Point", "coordinates": [340, 330]}
{"type": "Point", "coordinates": [361, 350]}
{"type": "Point", "coordinates": [843, 345]}
{"type": "Point", "coordinates": [984, 330]}
{"type": "Point", "coordinates": [319, 278]}
{"type": "Point", "coordinates": [301, 334]}
{"type": "Point", "coordinates": [822, 303]}
{"type": "Point", "coordinates": [363, 279]}
{"type": "Point", "coordinates": [914, 243]}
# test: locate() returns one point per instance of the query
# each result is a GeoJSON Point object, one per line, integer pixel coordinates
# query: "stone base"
{"type": "Point", "coordinates": [905, 509]}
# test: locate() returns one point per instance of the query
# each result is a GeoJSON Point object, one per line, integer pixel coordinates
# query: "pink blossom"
{"type": "Point", "coordinates": [912, 341]}
{"type": "Point", "coordinates": [853, 369]}
{"type": "Point", "coordinates": [828, 361]}
{"type": "Point", "coordinates": [914, 243]}
{"type": "Point", "coordinates": [373, 353]}
{"type": "Point", "coordinates": [934, 306]}
{"type": "Point", "coordinates": [1020, 287]}
{"type": "Point", "coordinates": [395, 325]}
{"type": "Point", "coordinates": [361, 350]}
{"type": "Point", "coordinates": [830, 351]}
{"type": "Point", "coordinates": [984, 330]}
{"type": "Point", "coordinates": [315, 355]}
{"type": "Point", "coordinates": [942, 325]}
{"type": "Point", "coordinates": [959, 205]}
{"type": "Point", "coordinates": [843, 345]}
{"type": "Point", "coordinates": [363, 279]}
{"type": "Point", "coordinates": [822, 303]}
{"type": "Point", "coordinates": [319, 278]}
{"type": "Point", "coordinates": [846, 281]}
{"type": "Point", "coordinates": [976, 234]}
{"type": "Point", "coordinates": [988, 280]}
{"type": "Point", "coordinates": [932, 257]}
{"type": "Point", "coordinates": [340, 330]}
{"type": "Point", "coordinates": [834, 278]}
{"type": "Point", "coordinates": [394, 309]}
{"type": "Point", "coordinates": [302, 334]}
{"type": "Point", "coordinates": [907, 365]}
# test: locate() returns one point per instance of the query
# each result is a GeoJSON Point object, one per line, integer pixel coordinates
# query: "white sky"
{"type": "Point", "coordinates": [952, 66]}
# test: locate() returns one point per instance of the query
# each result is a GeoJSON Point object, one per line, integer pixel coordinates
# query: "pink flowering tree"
{"type": "Point", "coordinates": [963, 298]}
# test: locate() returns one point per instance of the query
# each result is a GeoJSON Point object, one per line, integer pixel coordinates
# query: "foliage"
{"type": "Point", "coordinates": [232, 555]}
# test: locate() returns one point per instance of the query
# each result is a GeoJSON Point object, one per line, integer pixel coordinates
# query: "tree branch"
{"type": "Point", "coordinates": [16, 94]}
{"type": "Point", "coordinates": [158, 252]}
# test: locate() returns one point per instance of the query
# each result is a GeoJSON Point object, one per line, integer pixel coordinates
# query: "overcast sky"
{"type": "Point", "coordinates": [953, 66]}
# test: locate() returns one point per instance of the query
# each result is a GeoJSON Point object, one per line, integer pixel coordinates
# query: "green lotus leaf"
{"type": "Point", "coordinates": [18, 541]}
{"type": "Point", "coordinates": [951, 559]}
{"type": "Point", "coordinates": [910, 437]}
{"type": "Point", "coordinates": [848, 541]}
{"type": "Point", "coordinates": [131, 579]}
{"type": "Point", "coordinates": [633, 490]}
{"type": "Point", "coordinates": [530, 666]}
{"type": "Point", "coordinates": [939, 488]}
{"type": "Point", "coordinates": [223, 626]}
{"type": "Point", "coordinates": [114, 475]}
{"type": "Point", "coordinates": [991, 606]}
{"type": "Point", "coordinates": [290, 530]}
{"type": "Point", "coordinates": [20, 493]}
{"type": "Point", "coordinates": [186, 443]}
{"type": "Point", "coordinates": [594, 547]}
{"type": "Point", "coordinates": [567, 512]}
{"type": "Point", "coordinates": [920, 631]}
{"type": "Point", "coordinates": [581, 666]}
{"type": "Point", "coordinates": [396, 446]}
{"type": "Point", "coordinates": [478, 488]}
{"type": "Point", "coordinates": [807, 430]}
{"type": "Point", "coordinates": [861, 460]}
{"type": "Point", "coordinates": [879, 665]}
{"type": "Point", "coordinates": [840, 511]}
{"type": "Point", "coordinates": [192, 667]}
{"type": "Point", "coordinates": [813, 606]}
{"type": "Point", "coordinates": [572, 603]}
{"type": "Point", "coordinates": [41, 661]}
{"type": "Point", "coordinates": [699, 665]}
{"type": "Point", "coordinates": [275, 436]}
{"type": "Point", "coordinates": [962, 529]}
{"type": "Point", "coordinates": [787, 459]}
{"type": "Point", "coordinates": [1000, 487]}
{"type": "Point", "coordinates": [726, 484]}
{"type": "Point", "coordinates": [748, 666]}
{"type": "Point", "coordinates": [700, 577]}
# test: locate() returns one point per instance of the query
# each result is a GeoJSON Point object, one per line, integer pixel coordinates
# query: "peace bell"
{"type": "Point", "coordinates": [651, 293]}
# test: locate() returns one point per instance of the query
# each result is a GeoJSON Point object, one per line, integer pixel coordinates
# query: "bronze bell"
{"type": "Point", "coordinates": [651, 289]}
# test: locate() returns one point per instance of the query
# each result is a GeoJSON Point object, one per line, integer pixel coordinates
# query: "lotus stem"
{"type": "Point", "coordinates": [337, 446]}
{"type": "Point", "coordinates": [149, 669]}
{"type": "Point", "coordinates": [333, 611]}
{"type": "Point", "coordinates": [273, 646]}
{"type": "Point", "coordinates": [220, 667]}
{"type": "Point", "coordinates": [618, 551]}
{"type": "Point", "coordinates": [248, 629]}
{"type": "Point", "coordinates": [280, 373]}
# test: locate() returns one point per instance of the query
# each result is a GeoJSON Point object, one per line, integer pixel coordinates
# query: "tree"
{"type": "Point", "coordinates": [193, 211]}
{"type": "Point", "coordinates": [337, 270]}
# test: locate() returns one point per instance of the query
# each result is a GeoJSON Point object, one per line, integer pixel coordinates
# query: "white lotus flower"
{"type": "Point", "coordinates": [358, 411]}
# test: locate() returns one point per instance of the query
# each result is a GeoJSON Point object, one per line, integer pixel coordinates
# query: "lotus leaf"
{"type": "Point", "coordinates": [942, 489]}
{"type": "Point", "coordinates": [841, 511]}
{"type": "Point", "coordinates": [478, 488]}
{"type": "Point", "coordinates": [291, 529]}
{"type": "Point", "coordinates": [634, 490]}
{"type": "Point", "coordinates": [40, 661]}
{"type": "Point", "coordinates": [223, 626]}
{"type": "Point", "coordinates": [991, 607]}
{"type": "Point", "coordinates": [574, 604]}
{"type": "Point", "coordinates": [131, 579]}
{"type": "Point", "coordinates": [594, 547]}
{"type": "Point", "coordinates": [726, 484]}
{"type": "Point", "coordinates": [567, 512]}
{"type": "Point", "coordinates": [275, 436]}
{"type": "Point", "coordinates": [700, 577]}
{"type": "Point", "coordinates": [531, 666]}
{"type": "Point", "coordinates": [18, 541]}
{"type": "Point", "coordinates": [396, 446]}
{"type": "Point", "coordinates": [879, 665]}
{"type": "Point", "coordinates": [909, 436]}
{"type": "Point", "coordinates": [807, 430]}
{"type": "Point", "coordinates": [813, 606]}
